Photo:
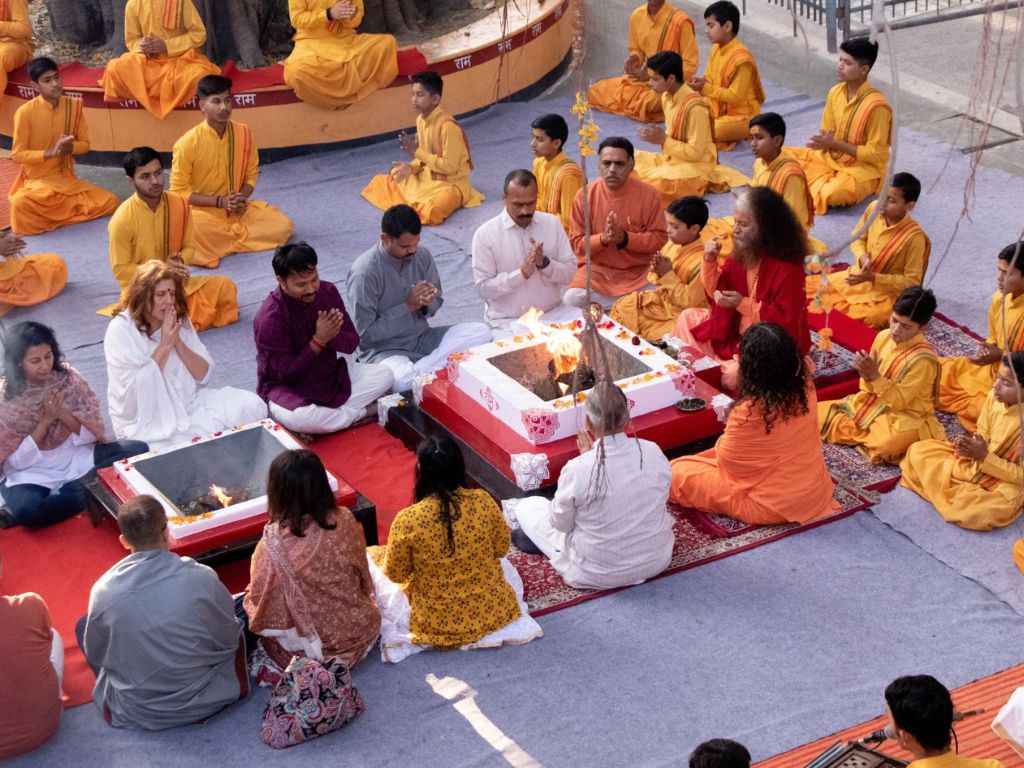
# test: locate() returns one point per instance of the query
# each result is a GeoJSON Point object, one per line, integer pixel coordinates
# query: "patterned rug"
{"type": "Point", "coordinates": [700, 539]}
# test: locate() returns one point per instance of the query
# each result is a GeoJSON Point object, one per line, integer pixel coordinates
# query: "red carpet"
{"type": "Point", "coordinates": [975, 735]}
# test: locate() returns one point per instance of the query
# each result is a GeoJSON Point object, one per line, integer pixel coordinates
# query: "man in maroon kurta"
{"type": "Point", "coordinates": [300, 329]}
{"type": "Point", "coordinates": [627, 228]}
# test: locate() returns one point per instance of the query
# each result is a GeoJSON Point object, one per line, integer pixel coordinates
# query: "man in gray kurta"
{"type": "Point", "coordinates": [393, 289]}
{"type": "Point", "coordinates": [161, 632]}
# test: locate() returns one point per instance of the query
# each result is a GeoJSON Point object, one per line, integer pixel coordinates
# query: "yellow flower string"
{"type": "Point", "coordinates": [822, 300]}
{"type": "Point", "coordinates": [588, 129]}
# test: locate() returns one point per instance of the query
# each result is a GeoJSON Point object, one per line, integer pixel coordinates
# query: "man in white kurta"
{"type": "Point", "coordinates": [522, 259]}
{"type": "Point", "coordinates": [161, 632]}
{"type": "Point", "coordinates": [168, 406]}
{"type": "Point", "coordinates": [608, 530]}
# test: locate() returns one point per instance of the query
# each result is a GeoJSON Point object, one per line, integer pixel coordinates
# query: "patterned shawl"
{"type": "Point", "coordinates": [20, 415]}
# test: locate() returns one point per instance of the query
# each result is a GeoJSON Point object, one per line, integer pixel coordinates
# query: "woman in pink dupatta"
{"type": "Point", "coordinates": [51, 431]}
{"type": "Point", "coordinates": [310, 591]}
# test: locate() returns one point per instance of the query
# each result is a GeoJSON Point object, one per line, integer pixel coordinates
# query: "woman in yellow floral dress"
{"type": "Point", "coordinates": [443, 581]}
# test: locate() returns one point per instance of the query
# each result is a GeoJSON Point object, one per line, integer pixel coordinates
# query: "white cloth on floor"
{"type": "Point", "coordinates": [457, 338]}
{"type": "Point", "coordinates": [396, 639]}
{"type": "Point", "coordinates": [164, 407]}
{"type": "Point", "coordinates": [369, 381]}
{"type": "Point", "coordinates": [614, 535]}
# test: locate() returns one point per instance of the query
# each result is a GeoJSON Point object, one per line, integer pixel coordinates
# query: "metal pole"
{"type": "Point", "coordinates": [830, 25]}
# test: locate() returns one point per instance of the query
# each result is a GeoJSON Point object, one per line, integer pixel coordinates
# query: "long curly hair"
{"type": "Point", "coordinates": [779, 233]}
{"type": "Point", "coordinates": [139, 299]}
{"type": "Point", "coordinates": [773, 373]}
{"type": "Point", "coordinates": [17, 342]}
{"type": "Point", "coordinates": [441, 472]}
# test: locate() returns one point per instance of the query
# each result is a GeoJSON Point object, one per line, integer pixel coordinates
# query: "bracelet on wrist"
{"type": "Point", "coordinates": [220, 201]}
{"type": "Point", "coordinates": [317, 343]}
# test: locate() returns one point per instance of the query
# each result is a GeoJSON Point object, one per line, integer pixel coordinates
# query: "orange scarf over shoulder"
{"type": "Point", "coordinates": [174, 14]}
{"type": "Point", "coordinates": [856, 127]}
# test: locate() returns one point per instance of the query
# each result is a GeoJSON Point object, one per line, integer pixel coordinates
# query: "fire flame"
{"type": "Point", "coordinates": [562, 343]}
{"type": "Point", "coordinates": [217, 492]}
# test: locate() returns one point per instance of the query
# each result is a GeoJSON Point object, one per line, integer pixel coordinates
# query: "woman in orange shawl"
{"type": "Point", "coordinates": [767, 467]}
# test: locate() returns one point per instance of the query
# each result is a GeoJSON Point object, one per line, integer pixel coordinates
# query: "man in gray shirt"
{"type": "Point", "coordinates": [393, 289]}
{"type": "Point", "coordinates": [161, 632]}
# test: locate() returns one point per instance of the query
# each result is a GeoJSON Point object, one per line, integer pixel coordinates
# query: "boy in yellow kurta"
{"type": "Point", "coordinates": [48, 132]}
{"type": "Point", "coordinates": [215, 168]}
{"type": "Point", "coordinates": [153, 224]}
{"type": "Point", "coordinates": [16, 44]}
{"type": "Point", "coordinates": [27, 280]}
{"type": "Point", "coordinates": [436, 182]}
{"type": "Point", "coordinates": [964, 382]}
{"type": "Point", "coordinates": [688, 161]}
{"type": "Point", "coordinates": [846, 160]}
{"type": "Point", "coordinates": [653, 27]}
{"type": "Point", "coordinates": [976, 481]}
{"type": "Point", "coordinates": [163, 63]}
{"type": "Point", "coordinates": [330, 65]}
{"type": "Point", "coordinates": [731, 82]}
{"type": "Point", "coordinates": [558, 177]}
{"type": "Point", "coordinates": [892, 254]}
{"type": "Point", "coordinates": [895, 406]}
{"type": "Point", "coordinates": [675, 271]}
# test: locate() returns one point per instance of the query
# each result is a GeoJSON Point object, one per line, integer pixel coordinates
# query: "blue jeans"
{"type": "Point", "coordinates": [35, 505]}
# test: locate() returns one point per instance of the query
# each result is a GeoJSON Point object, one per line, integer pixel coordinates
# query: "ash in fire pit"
{"type": "Point", "coordinates": [213, 499]}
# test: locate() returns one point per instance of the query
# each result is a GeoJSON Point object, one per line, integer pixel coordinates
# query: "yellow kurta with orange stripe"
{"type": "Point", "coordinates": [898, 255]}
{"type": "Point", "coordinates": [16, 44]}
{"type": "Point", "coordinates": [138, 234]}
{"type": "Point", "coordinates": [47, 194]}
{"type": "Point", "coordinates": [836, 178]}
{"type": "Point", "coordinates": [963, 385]}
{"type": "Point", "coordinates": [893, 411]}
{"type": "Point", "coordinates": [651, 314]}
{"type": "Point", "coordinates": [669, 30]}
{"type": "Point", "coordinates": [688, 162]}
{"type": "Point", "coordinates": [159, 83]}
{"type": "Point", "coordinates": [558, 181]}
{"type": "Point", "coordinates": [330, 64]}
{"type": "Point", "coordinates": [979, 495]}
{"type": "Point", "coordinates": [732, 86]}
{"type": "Point", "coordinates": [208, 164]}
{"type": "Point", "coordinates": [439, 183]}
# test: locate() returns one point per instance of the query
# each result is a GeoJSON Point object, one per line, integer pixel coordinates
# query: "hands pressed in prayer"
{"type": "Point", "coordinates": [728, 299]}
{"type": "Point", "coordinates": [401, 171]}
{"type": "Point", "coordinates": [867, 365]}
{"type": "Point", "coordinates": [696, 82]}
{"type": "Point", "coordinates": [63, 146]}
{"type": "Point", "coordinates": [971, 446]}
{"type": "Point", "coordinates": [633, 67]}
{"type": "Point", "coordinates": [420, 295]}
{"type": "Point", "coordinates": [53, 406]}
{"type": "Point", "coordinates": [661, 265]}
{"type": "Point", "coordinates": [11, 245]}
{"type": "Point", "coordinates": [584, 441]}
{"type": "Point", "coordinates": [343, 10]}
{"type": "Point", "coordinates": [169, 330]}
{"type": "Point", "coordinates": [613, 232]}
{"type": "Point", "coordinates": [865, 275]}
{"type": "Point", "coordinates": [823, 139]}
{"type": "Point", "coordinates": [408, 142]}
{"type": "Point", "coordinates": [235, 202]}
{"type": "Point", "coordinates": [712, 249]}
{"type": "Point", "coordinates": [655, 134]}
{"type": "Point", "coordinates": [151, 45]}
{"type": "Point", "coordinates": [328, 325]}
{"type": "Point", "coordinates": [986, 354]}
{"type": "Point", "coordinates": [534, 258]}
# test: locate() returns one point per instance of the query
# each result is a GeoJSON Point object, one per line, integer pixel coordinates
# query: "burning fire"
{"type": "Point", "coordinates": [562, 343]}
{"type": "Point", "coordinates": [219, 493]}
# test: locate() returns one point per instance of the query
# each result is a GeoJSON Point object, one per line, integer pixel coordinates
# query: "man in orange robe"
{"type": "Point", "coordinates": [626, 228]}
{"type": "Point", "coordinates": [15, 38]}
{"type": "Point", "coordinates": [48, 132]}
{"type": "Point", "coordinates": [653, 27]}
{"type": "Point", "coordinates": [163, 63]}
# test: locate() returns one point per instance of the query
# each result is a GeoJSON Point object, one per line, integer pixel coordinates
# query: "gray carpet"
{"type": "Point", "coordinates": [775, 647]}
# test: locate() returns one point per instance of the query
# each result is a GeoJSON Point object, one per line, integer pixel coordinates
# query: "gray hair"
{"type": "Point", "coordinates": [608, 407]}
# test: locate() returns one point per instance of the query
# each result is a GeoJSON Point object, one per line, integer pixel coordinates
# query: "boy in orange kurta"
{"type": "Point", "coordinates": [48, 132]}
{"type": "Point", "coordinates": [559, 178]}
{"type": "Point", "coordinates": [16, 44]}
{"type": "Point", "coordinates": [653, 27]}
{"type": "Point", "coordinates": [626, 227]}
{"type": "Point", "coordinates": [163, 63]}
{"type": "Point", "coordinates": [767, 467]}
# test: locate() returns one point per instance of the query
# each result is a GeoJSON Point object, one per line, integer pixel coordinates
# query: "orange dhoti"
{"type": "Point", "coordinates": [12, 56]}
{"type": "Point", "coordinates": [158, 83]}
{"type": "Point", "coordinates": [218, 234]}
{"type": "Point", "coordinates": [731, 128]}
{"type": "Point", "coordinates": [691, 318]}
{"type": "Point", "coordinates": [434, 201]}
{"type": "Point", "coordinates": [625, 95]}
{"type": "Point", "coordinates": [329, 73]}
{"type": "Point", "coordinates": [963, 387]}
{"type": "Point", "coordinates": [862, 302]}
{"type": "Point", "coordinates": [880, 442]}
{"type": "Point", "coordinates": [43, 204]}
{"type": "Point", "coordinates": [29, 280]}
{"type": "Point", "coordinates": [831, 188]}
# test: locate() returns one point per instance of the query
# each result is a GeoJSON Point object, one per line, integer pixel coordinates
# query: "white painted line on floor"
{"type": "Point", "coordinates": [452, 688]}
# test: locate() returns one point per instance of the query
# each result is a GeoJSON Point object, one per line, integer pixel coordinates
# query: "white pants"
{"type": "Point", "coordinates": [577, 297]}
{"type": "Point", "coordinates": [369, 381]}
{"type": "Point", "coordinates": [57, 658]}
{"type": "Point", "coordinates": [457, 338]}
{"type": "Point", "coordinates": [534, 516]}
{"type": "Point", "coordinates": [509, 327]}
